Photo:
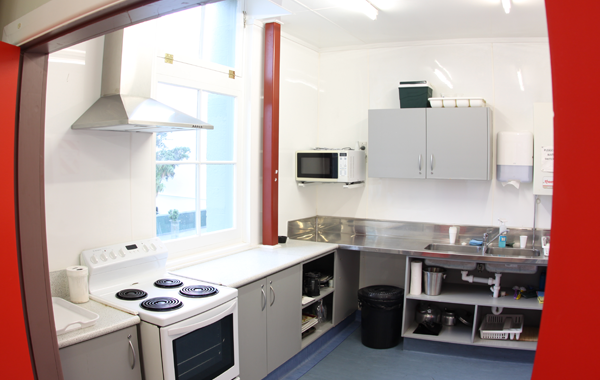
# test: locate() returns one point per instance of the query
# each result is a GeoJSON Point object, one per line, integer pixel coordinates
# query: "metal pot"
{"type": "Point", "coordinates": [448, 318]}
{"type": "Point", "coordinates": [427, 313]}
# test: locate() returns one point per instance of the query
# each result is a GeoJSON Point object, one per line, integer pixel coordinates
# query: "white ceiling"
{"type": "Point", "coordinates": [331, 24]}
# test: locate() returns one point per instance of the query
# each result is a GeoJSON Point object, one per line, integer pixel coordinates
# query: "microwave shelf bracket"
{"type": "Point", "coordinates": [354, 185]}
{"type": "Point", "coordinates": [351, 185]}
{"type": "Point", "coordinates": [305, 184]}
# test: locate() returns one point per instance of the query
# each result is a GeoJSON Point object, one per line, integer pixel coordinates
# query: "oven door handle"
{"type": "Point", "coordinates": [199, 325]}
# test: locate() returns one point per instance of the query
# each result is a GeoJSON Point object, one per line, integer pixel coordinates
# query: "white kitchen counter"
{"type": "Point", "coordinates": [110, 320]}
{"type": "Point", "coordinates": [245, 267]}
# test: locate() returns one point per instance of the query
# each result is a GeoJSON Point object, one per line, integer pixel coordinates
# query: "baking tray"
{"type": "Point", "coordinates": [70, 317]}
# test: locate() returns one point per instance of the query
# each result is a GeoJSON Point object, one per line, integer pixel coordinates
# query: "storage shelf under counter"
{"type": "Point", "coordinates": [477, 295]}
{"type": "Point", "coordinates": [478, 301]}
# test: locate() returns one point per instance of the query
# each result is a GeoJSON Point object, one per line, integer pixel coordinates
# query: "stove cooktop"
{"type": "Point", "coordinates": [132, 277]}
{"type": "Point", "coordinates": [164, 306]}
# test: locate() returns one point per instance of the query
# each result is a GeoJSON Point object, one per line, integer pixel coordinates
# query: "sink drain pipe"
{"type": "Point", "coordinates": [490, 281]}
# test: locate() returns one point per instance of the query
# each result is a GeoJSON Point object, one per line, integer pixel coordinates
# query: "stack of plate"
{"type": "Point", "coordinates": [456, 102]}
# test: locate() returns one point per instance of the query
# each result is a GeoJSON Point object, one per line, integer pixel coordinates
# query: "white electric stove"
{"type": "Point", "coordinates": [188, 329]}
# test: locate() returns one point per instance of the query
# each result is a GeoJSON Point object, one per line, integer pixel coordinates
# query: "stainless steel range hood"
{"type": "Point", "coordinates": [133, 110]}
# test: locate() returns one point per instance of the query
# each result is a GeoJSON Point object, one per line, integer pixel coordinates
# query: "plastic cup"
{"type": "Point", "coordinates": [452, 231]}
{"type": "Point", "coordinates": [523, 241]}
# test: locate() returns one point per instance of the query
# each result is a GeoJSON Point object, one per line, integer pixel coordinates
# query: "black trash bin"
{"type": "Point", "coordinates": [381, 316]}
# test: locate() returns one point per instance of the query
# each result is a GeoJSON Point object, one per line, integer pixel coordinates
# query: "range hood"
{"type": "Point", "coordinates": [125, 104]}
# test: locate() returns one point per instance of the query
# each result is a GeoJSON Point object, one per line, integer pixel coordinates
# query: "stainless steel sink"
{"type": "Point", "coordinates": [497, 251]}
{"type": "Point", "coordinates": [473, 249]}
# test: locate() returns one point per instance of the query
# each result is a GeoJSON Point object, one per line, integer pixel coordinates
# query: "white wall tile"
{"type": "Point", "coordinates": [297, 128]}
{"type": "Point", "coordinates": [351, 82]}
{"type": "Point", "coordinates": [99, 185]}
{"type": "Point", "coordinates": [513, 111]}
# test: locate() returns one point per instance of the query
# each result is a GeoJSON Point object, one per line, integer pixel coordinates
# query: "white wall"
{"type": "Point", "coordinates": [299, 77]}
{"type": "Point", "coordinates": [99, 185]}
{"type": "Point", "coordinates": [352, 82]}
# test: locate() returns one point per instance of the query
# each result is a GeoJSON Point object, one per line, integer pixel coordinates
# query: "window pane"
{"type": "Point", "coordinates": [218, 44]}
{"type": "Point", "coordinates": [180, 145]}
{"type": "Point", "coordinates": [180, 33]}
{"type": "Point", "coordinates": [176, 190]}
{"type": "Point", "coordinates": [207, 32]}
{"type": "Point", "coordinates": [218, 110]}
{"type": "Point", "coordinates": [217, 196]}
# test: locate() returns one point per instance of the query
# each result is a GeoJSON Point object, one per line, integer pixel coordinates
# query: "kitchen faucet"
{"type": "Point", "coordinates": [486, 244]}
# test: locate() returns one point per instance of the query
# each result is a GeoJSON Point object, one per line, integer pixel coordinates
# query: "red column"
{"type": "Point", "coordinates": [271, 135]}
{"type": "Point", "coordinates": [14, 352]}
{"type": "Point", "coordinates": [567, 348]}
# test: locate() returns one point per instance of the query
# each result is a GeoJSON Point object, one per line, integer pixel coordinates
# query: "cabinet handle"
{"type": "Point", "coordinates": [273, 292]}
{"type": "Point", "coordinates": [263, 297]}
{"type": "Point", "coordinates": [132, 350]}
{"type": "Point", "coordinates": [432, 162]}
{"type": "Point", "coordinates": [419, 162]}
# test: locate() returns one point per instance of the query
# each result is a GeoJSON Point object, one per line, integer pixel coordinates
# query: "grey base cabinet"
{"type": "Point", "coordinates": [112, 356]}
{"type": "Point", "coordinates": [269, 323]}
{"type": "Point", "coordinates": [433, 143]}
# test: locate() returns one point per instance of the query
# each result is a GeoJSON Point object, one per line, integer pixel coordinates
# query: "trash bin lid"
{"type": "Point", "coordinates": [382, 293]}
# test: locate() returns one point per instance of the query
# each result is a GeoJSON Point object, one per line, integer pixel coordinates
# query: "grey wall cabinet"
{"type": "Point", "coordinates": [270, 322]}
{"type": "Point", "coordinates": [112, 356]}
{"type": "Point", "coordinates": [439, 143]}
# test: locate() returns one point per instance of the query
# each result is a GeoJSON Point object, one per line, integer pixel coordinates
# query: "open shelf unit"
{"type": "Point", "coordinates": [478, 301]}
{"type": "Point", "coordinates": [324, 293]}
{"type": "Point", "coordinates": [325, 266]}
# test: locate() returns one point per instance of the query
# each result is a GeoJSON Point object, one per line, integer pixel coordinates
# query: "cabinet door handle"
{"type": "Point", "coordinates": [263, 297]}
{"type": "Point", "coordinates": [132, 351]}
{"type": "Point", "coordinates": [432, 162]}
{"type": "Point", "coordinates": [419, 162]}
{"type": "Point", "coordinates": [272, 292]}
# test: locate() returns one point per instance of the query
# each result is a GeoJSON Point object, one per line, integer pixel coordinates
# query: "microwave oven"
{"type": "Point", "coordinates": [346, 166]}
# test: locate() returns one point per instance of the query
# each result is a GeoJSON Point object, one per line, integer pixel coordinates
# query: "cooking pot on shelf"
{"type": "Point", "coordinates": [448, 318]}
{"type": "Point", "coordinates": [312, 284]}
{"type": "Point", "coordinates": [427, 313]}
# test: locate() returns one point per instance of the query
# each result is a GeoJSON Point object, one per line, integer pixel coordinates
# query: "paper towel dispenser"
{"type": "Point", "coordinates": [514, 158]}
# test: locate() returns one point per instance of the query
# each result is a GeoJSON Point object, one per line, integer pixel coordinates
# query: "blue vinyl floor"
{"type": "Point", "coordinates": [349, 359]}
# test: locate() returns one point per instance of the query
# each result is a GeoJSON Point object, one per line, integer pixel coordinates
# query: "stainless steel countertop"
{"type": "Point", "coordinates": [415, 248]}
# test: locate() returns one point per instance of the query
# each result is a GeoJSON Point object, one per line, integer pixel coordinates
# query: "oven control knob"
{"type": "Point", "coordinates": [121, 253]}
{"type": "Point", "coordinates": [153, 247]}
{"type": "Point", "coordinates": [145, 248]}
{"type": "Point", "coordinates": [93, 259]}
{"type": "Point", "coordinates": [103, 257]}
{"type": "Point", "coordinates": [112, 255]}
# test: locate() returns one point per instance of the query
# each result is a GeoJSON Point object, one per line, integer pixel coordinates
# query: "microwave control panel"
{"type": "Point", "coordinates": [343, 165]}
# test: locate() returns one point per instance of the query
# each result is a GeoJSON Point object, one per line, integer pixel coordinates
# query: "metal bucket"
{"type": "Point", "coordinates": [432, 280]}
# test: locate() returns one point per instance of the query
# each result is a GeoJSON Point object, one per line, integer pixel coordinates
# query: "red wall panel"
{"type": "Point", "coordinates": [14, 349]}
{"type": "Point", "coordinates": [567, 347]}
{"type": "Point", "coordinates": [270, 198]}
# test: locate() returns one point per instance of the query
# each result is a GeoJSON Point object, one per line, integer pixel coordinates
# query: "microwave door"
{"type": "Point", "coordinates": [317, 165]}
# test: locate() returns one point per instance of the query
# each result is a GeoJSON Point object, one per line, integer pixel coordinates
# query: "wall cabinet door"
{"type": "Point", "coordinates": [111, 356]}
{"type": "Point", "coordinates": [284, 316]}
{"type": "Point", "coordinates": [252, 309]}
{"type": "Point", "coordinates": [397, 143]}
{"type": "Point", "coordinates": [438, 143]}
{"type": "Point", "coordinates": [459, 143]}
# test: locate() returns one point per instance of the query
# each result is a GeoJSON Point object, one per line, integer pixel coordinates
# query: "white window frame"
{"type": "Point", "coordinates": [210, 77]}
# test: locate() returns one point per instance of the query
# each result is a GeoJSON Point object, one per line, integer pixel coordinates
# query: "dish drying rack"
{"type": "Point", "coordinates": [502, 327]}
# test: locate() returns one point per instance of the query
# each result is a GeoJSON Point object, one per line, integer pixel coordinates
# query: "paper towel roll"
{"type": "Point", "coordinates": [416, 268]}
{"type": "Point", "coordinates": [78, 283]}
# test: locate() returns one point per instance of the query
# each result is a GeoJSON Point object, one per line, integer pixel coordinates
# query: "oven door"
{"type": "Point", "coordinates": [316, 166]}
{"type": "Point", "coordinates": [204, 347]}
